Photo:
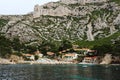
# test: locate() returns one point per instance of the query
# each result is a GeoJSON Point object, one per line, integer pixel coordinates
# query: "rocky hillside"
{"type": "Point", "coordinates": [89, 22]}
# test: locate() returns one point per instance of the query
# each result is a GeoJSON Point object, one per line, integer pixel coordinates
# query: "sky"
{"type": "Point", "coordinates": [12, 7]}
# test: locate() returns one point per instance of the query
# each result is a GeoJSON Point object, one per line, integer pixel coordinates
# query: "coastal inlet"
{"type": "Point", "coordinates": [59, 72]}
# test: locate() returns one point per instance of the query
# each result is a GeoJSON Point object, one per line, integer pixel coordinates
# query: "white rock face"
{"type": "Point", "coordinates": [94, 1]}
{"type": "Point", "coordinates": [55, 9]}
{"type": "Point", "coordinates": [107, 59]}
{"type": "Point", "coordinates": [89, 33]}
{"type": "Point", "coordinates": [81, 1]}
{"type": "Point", "coordinates": [117, 20]}
{"type": "Point", "coordinates": [58, 11]}
{"type": "Point", "coordinates": [72, 1]}
{"type": "Point", "coordinates": [36, 12]}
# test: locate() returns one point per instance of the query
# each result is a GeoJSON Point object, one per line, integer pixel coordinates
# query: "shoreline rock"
{"type": "Point", "coordinates": [113, 60]}
{"type": "Point", "coordinates": [6, 61]}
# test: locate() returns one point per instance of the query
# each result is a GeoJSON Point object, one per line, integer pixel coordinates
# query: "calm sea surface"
{"type": "Point", "coordinates": [59, 72]}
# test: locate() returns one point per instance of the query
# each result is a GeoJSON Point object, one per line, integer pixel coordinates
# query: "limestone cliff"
{"type": "Point", "coordinates": [70, 21]}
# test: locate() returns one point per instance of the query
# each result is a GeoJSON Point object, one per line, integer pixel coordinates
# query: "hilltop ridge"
{"type": "Point", "coordinates": [63, 7]}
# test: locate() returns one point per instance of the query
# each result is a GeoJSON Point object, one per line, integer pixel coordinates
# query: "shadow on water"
{"type": "Point", "coordinates": [59, 72]}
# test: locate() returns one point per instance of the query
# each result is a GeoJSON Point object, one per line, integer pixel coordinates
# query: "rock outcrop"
{"type": "Point", "coordinates": [116, 60]}
{"type": "Point", "coordinates": [63, 7]}
{"type": "Point", "coordinates": [107, 59]}
{"type": "Point", "coordinates": [57, 21]}
{"type": "Point", "coordinates": [83, 2]}
{"type": "Point", "coordinates": [110, 59]}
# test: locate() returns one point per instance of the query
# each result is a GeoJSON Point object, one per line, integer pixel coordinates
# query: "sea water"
{"type": "Point", "coordinates": [59, 72]}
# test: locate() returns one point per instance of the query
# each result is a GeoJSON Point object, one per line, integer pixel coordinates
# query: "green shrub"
{"type": "Point", "coordinates": [116, 1]}
{"type": "Point", "coordinates": [36, 57]}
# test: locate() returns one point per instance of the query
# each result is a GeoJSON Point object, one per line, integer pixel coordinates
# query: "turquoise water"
{"type": "Point", "coordinates": [59, 72]}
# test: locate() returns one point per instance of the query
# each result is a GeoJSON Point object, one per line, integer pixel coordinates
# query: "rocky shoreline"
{"type": "Point", "coordinates": [46, 61]}
{"type": "Point", "coordinates": [41, 61]}
{"type": "Point", "coordinates": [49, 61]}
{"type": "Point", "coordinates": [5, 61]}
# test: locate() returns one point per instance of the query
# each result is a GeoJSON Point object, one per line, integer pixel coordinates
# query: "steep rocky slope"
{"type": "Point", "coordinates": [89, 22]}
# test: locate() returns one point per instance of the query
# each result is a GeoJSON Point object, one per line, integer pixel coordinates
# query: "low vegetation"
{"type": "Point", "coordinates": [116, 1]}
{"type": "Point", "coordinates": [91, 44]}
{"type": "Point", "coordinates": [8, 47]}
{"type": "Point", "coordinates": [103, 46]}
{"type": "Point", "coordinates": [3, 22]}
